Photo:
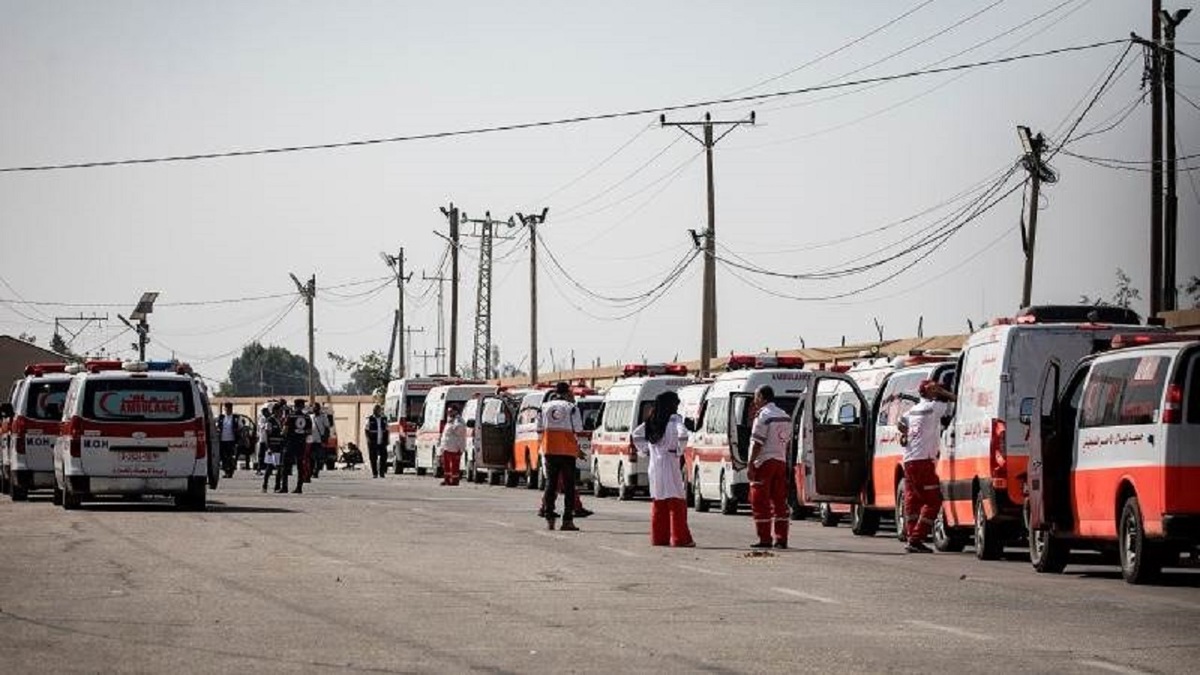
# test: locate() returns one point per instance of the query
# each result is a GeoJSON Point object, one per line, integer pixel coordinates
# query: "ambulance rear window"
{"type": "Point", "coordinates": [130, 400]}
{"type": "Point", "coordinates": [45, 400]}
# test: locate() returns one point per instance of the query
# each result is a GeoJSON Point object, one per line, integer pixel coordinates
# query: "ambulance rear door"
{"type": "Point", "coordinates": [495, 431]}
{"type": "Point", "coordinates": [834, 449]}
{"type": "Point", "coordinates": [1038, 413]}
{"type": "Point", "coordinates": [738, 436]}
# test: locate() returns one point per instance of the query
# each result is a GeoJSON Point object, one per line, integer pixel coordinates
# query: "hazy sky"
{"type": "Point", "coordinates": [112, 80]}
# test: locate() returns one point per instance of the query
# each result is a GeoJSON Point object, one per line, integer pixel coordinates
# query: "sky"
{"type": "Point", "coordinates": [823, 181]}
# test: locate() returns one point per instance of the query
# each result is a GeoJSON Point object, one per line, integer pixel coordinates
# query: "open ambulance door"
{"type": "Point", "coordinates": [738, 436]}
{"type": "Point", "coordinates": [1039, 415]}
{"type": "Point", "coordinates": [495, 430]}
{"type": "Point", "coordinates": [834, 446]}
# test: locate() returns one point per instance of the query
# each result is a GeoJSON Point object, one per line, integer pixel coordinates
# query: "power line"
{"type": "Point", "coordinates": [561, 121]}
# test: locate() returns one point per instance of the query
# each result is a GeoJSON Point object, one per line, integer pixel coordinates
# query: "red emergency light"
{"type": "Point", "coordinates": [37, 369]}
{"type": "Point", "coordinates": [645, 370]}
{"type": "Point", "coordinates": [1122, 340]}
{"type": "Point", "coordinates": [839, 368]}
{"type": "Point", "coordinates": [759, 361]}
{"type": "Point", "coordinates": [100, 365]}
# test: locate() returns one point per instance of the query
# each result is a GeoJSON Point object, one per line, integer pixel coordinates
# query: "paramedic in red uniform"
{"type": "Point", "coordinates": [663, 437]}
{"type": "Point", "coordinates": [558, 424]}
{"type": "Point", "coordinates": [922, 427]}
{"type": "Point", "coordinates": [454, 441]}
{"type": "Point", "coordinates": [767, 470]}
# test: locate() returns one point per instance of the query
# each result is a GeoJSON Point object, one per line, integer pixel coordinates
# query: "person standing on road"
{"type": "Point", "coordinates": [558, 425]}
{"type": "Point", "coordinates": [320, 427]}
{"type": "Point", "coordinates": [452, 445]}
{"type": "Point", "coordinates": [663, 438]}
{"type": "Point", "coordinates": [271, 434]}
{"type": "Point", "coordinates": [766, 469]}
{"type": "Point", "coordinates": [263, 422]}
{"type": "Point", "coordinates": [920, 432]}
{"type": "Point", "coordinates": [376, 430]}
{"type": "Point", "coordinates": [228, 430]}
{"type": "Point", "coordinates": [296, 429]}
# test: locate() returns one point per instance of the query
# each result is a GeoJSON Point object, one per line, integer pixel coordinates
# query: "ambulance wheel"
{"type": "Point", "coordinates": [1048, 553]}
{"type": "Point", "coordinates": [511, 478]}
{"type": "Point", "coordinates": [397, 467]}
{"type": "Point", "coordinates": [729, 505]}
{"type": "Point", "coordinates": [4, 481]}
{"type": "Point", "coordinates": [863, 521]}
{"type": "Point", "coordinates": [495, 478]}
{"type": "Point", "coordinates": [57, 499]}
{"type": "Point", "coordinates": [18, 493]}
{"type": "Point", "coordinates": [70, 500]}
{"type": "Point", "coordinates": [598, 489]}
{"type": "Point", "coordinates": [689, 493]}
{"type": "Point", "coordinates": [420, 471]}
{"type": "Point", "coordinates": [624, 490]}
{"type": "Point", "coordinates": [437, 471]}
{"type": "Point", "coordinates": [988, 542]}
{"type": "Point", "coordinates": [531, 475]}
{"type": "Point", "coordinates": [1140, 560]}
{"type": "Point", "coordinates": [828, 517]}
{"type": "Point", "coordinates": [900, 511]}
{"type": "Point", "coordinates": [945, 538]}
{"type": "Point", "coordinates": [701, 503]}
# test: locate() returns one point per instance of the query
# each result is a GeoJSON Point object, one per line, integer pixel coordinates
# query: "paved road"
{"type": "Point", "coordinates": [402, 575]}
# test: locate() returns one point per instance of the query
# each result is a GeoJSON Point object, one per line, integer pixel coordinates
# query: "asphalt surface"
{"type": "Point", "coordinates": [402, 575]}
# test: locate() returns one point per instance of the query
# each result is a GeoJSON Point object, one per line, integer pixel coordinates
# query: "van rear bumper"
{"type": "Point", "coordinates": [33, 480]}
{"type": "Point", "coordinates": [96, 485]}
{"type": "Point", "coordinates": [1182, 527]}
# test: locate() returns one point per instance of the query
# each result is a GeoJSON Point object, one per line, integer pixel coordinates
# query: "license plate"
{"type": "Point", "coordinates": [139, 455]}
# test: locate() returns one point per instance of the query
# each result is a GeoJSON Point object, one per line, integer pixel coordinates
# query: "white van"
{"type": "Point", "coordinates": [716, 473]}
{"type": "Point", "coordinates": [129, 430]}
{"type": "Point", "coordinates": [403, 404]}
{"type": "Point", "coordinates": [615, 464]}
{"type": "Point", "coordinates": [985, 454]}
{"type": "Point", "coordinates": [433, 418]}
{"type": "Point", "coordinates": [27, 442]}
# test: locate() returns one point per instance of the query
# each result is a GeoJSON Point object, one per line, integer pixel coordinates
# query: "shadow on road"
{"type": "Point", "coordinates": [149, 505]}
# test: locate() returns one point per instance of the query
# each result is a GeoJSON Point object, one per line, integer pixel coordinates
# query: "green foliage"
{"type": "Point", "coordinates": [1123, 297]}
{"type": "Point", "coordinates": [368, 372]}
{"type": "Point", "coordinates": [269, 371]}
{"type": "Point", "coordinates": [59, 345]}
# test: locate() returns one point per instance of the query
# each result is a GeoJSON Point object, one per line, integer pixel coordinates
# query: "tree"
{"type": "Point", "coordinates": [1123, 297]}
{"type": "Point", "coordinates": [269, 371]}
{"type": "Point", "coordinates": [1192, 288]}
{"type": "Point", "coordinates": [368, 372]}
{"type": "Point", "coordinates": [58, 344]}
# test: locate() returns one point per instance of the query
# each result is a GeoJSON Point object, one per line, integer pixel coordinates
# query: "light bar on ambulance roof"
{"type": "Point", "coordinates": [1137, 339]}
{"type": "Point", "coordinates": [759, 361]}
{"type": "Point", "coordinates": [162, 366]}
{"type": "Point", "coordinates": [135, 366]}
{"type": "Point", "coordinates": [43, 368]}
{"type": "Point", "coordinates": [100, 365]}
{"type": "Point", "coordinates": [644, 370]}
{"type": "Point", "coordinates": [74, 369]}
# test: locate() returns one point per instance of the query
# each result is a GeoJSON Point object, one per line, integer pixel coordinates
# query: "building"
{"type": "Point", "coordinates": [15, 354]}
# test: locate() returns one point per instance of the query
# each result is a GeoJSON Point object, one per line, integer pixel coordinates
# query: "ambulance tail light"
{"type": "Point", "coordinates": [36, 369]}
{"type": "Point", "coordinates": [18, 431]}
{"type": "Point", "coordinates": [631, 453]}
{"type": "Point", "coordinates": [840, 368]}
{"type": "Point", "coordinates": [201, 438]}
{"type": "Point", "coordinates": [74, 430]}
{"type": "Point", "coordinates": [998, 454]}
{"type": "Point", "coordinates": [1137, 339]}
{"type": "Point", "coordinates": [1173, 410]}
{"type": "Point", "coordinates": [101, 365]}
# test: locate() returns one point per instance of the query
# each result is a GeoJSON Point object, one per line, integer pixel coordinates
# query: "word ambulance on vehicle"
{"type": "Point", "coordinates": [615, 464]}
{"type": "Point", "coordinates": [985, 451]}
{"type": "Point", "coordinates": [31, 429]}
{"type": "Point", "coordinates": [883, 494]}
{"type": "Point", "coordinates": [433, 420]}
{"type": "Point", "coordinates": [403, 404]}
{"type": "Point", "coordinates": [128, 429]}
{"type": "Point", "coordinates": [718, 466]}
{"type": "Point", "coordinates": [1115, 461]}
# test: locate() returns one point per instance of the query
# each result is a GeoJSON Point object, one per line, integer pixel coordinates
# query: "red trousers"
{"type": "Point", "coordinates": [451, 473]}
{"type": "Point", "coordinates": [668, 523]}
{"type": "Point", "coordinates": [922, 498]}
{"type": "Point", "coordinates": [768, 501]}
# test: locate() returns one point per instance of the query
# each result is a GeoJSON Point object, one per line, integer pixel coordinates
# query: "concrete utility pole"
{"type": "Point", "coordinates": [309, 293]}
{"type": "Point", "coordinates": [1171, 222]}
{"type": "Point", "coordinates": [1156, 167]}
{"type": "Point", "coordinates": [1033, 145]}
{"type": "Point", "coordinates": [452, 214]}
{"type": "Point", "coordinates": [408, 333]}
{"type": "Point", "coordinates": [708, 327]}
{"type": "Point", "coordinates": [439, 351]}
{"type": "Point", "coordinates": [532, 221]}
{"type": "Point", "coordinates": [481, 353]}
{"type": "Point", "coordinates": [396, 263]}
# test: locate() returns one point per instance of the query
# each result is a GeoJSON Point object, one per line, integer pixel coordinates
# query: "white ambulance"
{"type": "Point", "coordinates": [433, 419]}
{"type": "Point", "coordinates": [129, 430]}
{"type": "Point", "coordinates": [1115, 461]}
{"type": "Point", "coordinates": [615, 464]}
{"type": "Point", "coordinates": [718, 470]}
{"type": "Point", "coordinates": [691, 408]}
{"type": "Point", "coordinates": [403, 404]}
{"type": "Point", "coordinates": [492, 428]}
{"type": "Point", "coordinates": [985, 450]}
{"type": "Point", "coordinates": [28, 436]}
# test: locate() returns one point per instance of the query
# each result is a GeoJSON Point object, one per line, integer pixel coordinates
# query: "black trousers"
{"type": "Point", "coordinates": [377, 453]}
{"type": "Point", "coordinates": [563, 465]}
{"type": "Point", "coordinates": [292, 457]}
{"type": "Point", "coordinates": [228, 456]}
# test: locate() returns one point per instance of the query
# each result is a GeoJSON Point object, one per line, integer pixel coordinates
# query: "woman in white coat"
{"type": "Point", "coordinates": [663, 438]}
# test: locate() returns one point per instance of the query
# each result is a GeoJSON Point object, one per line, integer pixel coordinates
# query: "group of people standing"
{"type": "Point", "coordinates": [291, 437]}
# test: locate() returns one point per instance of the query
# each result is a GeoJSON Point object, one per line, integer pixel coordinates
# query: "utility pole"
{"type": "Point", "coordinates": [440, 350]}
{"type": "Point", "coordinates": [708, 327]}
{"type": "Point", "coordinates": [396, 263]}
{"type": "Point", "coordinates": [408, 333]}
{"type": "Point", "coordinates": [141, 314]}
{"type": "Point", "coordinates": [481, 353]}
{"type": "Point", "coordinates": [308, 291]}
{"type": "Point", "coordinates": [532, 221]}
{"type": "Point", "coordinates": [60, 325]}
{"type": "Point", "coordinates": [1170, 22]}
{"type": "Point", "coordinates": [452, 214]}
{"type": "Point", "coordinates": [425, 356]}
{"type": "Point", "coordinates": [1156, 167]}
{"type": "Point", "coordinates": [1033, 145]}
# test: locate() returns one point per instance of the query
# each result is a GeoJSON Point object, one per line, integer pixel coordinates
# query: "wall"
{"type": "Point", "coordinates": [349, 412]}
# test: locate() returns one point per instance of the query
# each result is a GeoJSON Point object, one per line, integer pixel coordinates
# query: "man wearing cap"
{"type": "Point", "coordinates": [558, 425]}
{"type": "Point", "coordinates": [766, 469]}
{"type": "Point", "coordinates": [296, 428]}
{"type": "Point", "coordinates": [920, 433]}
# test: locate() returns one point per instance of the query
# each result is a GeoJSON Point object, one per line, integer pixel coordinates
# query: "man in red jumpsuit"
{"type": "Point", "coordinates": [767, 470]}
{"type": "Point", "coordinates": [920, 434]}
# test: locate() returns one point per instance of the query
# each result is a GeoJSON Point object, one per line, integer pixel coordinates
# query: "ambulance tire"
{"type": "Point", "coordinates": [863, 521]}
{"type": "Point", "coordinates": [57, 499]}
{"type": "Point", "coordinates": [1140, 559]}
{"type": "Point", "coordinates": [531, 475]}
{"type": "Point", "coordinates": [195, 499]}
{"type": "Point", "coordinates": [689, 493]}
{"type": "Point", "coordinates": [420, 471]}
{"type": "Point", "coordinates": [729, 505]}
{"type": "Point", "coordinates": [511, 478]}
{"type": "Point", "coordinates": [397, 467]}
{"type": "Point", "coordinates": [437, 471]}
{"type": "Point", "coordinates": [18, 493]}
{"type": "Point", "coordinates": [701, 503]}
{"type": "Point", "coordinates": [828, 517]}
{"type": "Point", "coordinates": [947, 539]}
{"type": "Point", "coordinates": [989, 541]}
{"type": "Point", "coordinates": [900, 511]}
{"type": "Point", "coordinates": [70, 501]}
{"type": "Point", "coordinates": [624, 489]}
{"type": "Point", "coordinates": [3, 481]}
{"type": "Point", "coordinates": [1048, 553]}
{"type": "Point", "coordinates": [495, 477]}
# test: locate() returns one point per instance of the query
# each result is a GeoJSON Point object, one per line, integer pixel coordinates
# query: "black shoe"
{"type": "Point", "coordinates": [542, 514]}
{"type": "Point", "coordinates": [761, 544]}
{"type": "Point", "coordinates": [549, 523]}
{"type": "Point", "coordinates": [568, 526]}
{"type": "Point", "coordinates": [298, 491]}
{"type": "Point", "coordinates": [582, 513]}
{"type": "Point", "coordinates": [918, 547]}
{"type": "Point", "coordinates": [781, 544]}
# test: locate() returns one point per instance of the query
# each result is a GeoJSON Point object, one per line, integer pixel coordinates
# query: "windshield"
{"type": "Point", "coordinates": [45, 400]}
{"type": "Point", "coordinates": [129, 400]}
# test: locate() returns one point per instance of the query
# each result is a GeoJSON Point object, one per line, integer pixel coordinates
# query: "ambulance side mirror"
{"type": "Point", "coordinates": [471, 423]}
{"type": "Point", "coordinates": [689, 424]}
{"type": "Point", "coordinates": [6, 411]}
{"type": "Point", "coordinates": [1026, 414]}
{"type": "Point", "coordinates": [590, 423]}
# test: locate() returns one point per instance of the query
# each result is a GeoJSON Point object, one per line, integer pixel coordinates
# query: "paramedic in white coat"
{"type": "Point", "coordinates": [663, 437]}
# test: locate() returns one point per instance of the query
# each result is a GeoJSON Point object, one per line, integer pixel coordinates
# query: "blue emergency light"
{"type": "Point", "coordinates": [162, 366]}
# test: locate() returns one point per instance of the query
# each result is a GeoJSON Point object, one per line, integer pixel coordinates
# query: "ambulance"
{"type": "Point", "coordinates": [492, 433]}
{"type": "Point", "coordinates": [129, 430]}
{"type": "Point", "coordinates": [27, 445]}
{"type": "Point", "coordinates": [527, 443]}
{"type": "Point", "coordinates": [1115, 460]}
{"type": "Point", "coordinates": [883, 496]}
{"type": "Point", "coordinates": [717, 474]}
{"type": "Point", "coordinates": [691, 408]}
{"type": "Point", "coordinates": [433, 419]}
{"type": "Point", "coordinates": [403, 404]}
{"type": "Point", "coordinates": [628, 403]}
{"type": "Point", "coordinates": [837, 402]}
{"type": "Point", "coordinates": [985, 450]}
